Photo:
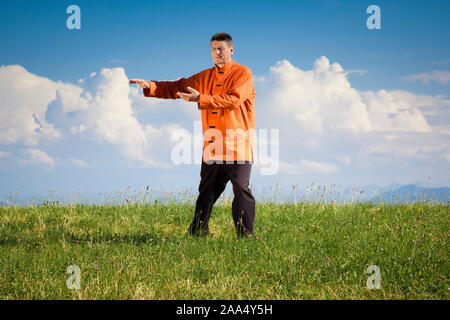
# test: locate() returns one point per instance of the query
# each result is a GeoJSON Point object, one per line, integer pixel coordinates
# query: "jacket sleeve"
{"type": "Point", "coordinates": [241, 90]}
{"type": "Point", "coordinates": [169, 89]}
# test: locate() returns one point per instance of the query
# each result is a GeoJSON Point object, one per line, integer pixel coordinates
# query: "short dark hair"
{"type": "Point", "coordinates": [222, 36]}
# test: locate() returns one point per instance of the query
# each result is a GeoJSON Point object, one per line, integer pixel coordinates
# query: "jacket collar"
{"type": "Point", "coordinates": [226, 67]}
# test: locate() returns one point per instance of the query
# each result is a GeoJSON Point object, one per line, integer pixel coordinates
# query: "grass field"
{"type": "Point", "coordinates": [300, 251]}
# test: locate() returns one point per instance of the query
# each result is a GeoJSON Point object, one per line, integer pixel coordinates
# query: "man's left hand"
{"type": "Point", "coordinates": [194, 96]}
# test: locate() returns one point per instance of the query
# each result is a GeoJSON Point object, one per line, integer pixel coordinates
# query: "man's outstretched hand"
{"type": "Point", "coordinates": [194, 96]}
{"type": "Point", "coordinates": [141, 82]}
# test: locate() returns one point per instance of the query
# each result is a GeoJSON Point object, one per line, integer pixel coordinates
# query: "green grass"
{"type": "Point", "coordinates": [303, 251]}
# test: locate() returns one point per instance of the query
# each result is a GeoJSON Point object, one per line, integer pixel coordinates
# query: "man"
{"type": "Point", "coordinates": [225, 96]}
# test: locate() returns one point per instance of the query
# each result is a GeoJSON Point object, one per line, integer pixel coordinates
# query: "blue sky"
{"type": "Point", "coordinates": [161, 40]}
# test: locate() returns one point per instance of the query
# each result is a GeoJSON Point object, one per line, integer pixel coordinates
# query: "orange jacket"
{"type": "Point", "coordinates": [227, 100]}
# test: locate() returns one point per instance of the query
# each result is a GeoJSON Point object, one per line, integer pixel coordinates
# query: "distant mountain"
{"type": "Point", "coordinates": [372, 191]}
{"type": "Point", "coordinates": [412, 193]}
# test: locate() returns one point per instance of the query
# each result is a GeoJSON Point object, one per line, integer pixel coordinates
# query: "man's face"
{"type": "Point", "coordinates": [220, 52]}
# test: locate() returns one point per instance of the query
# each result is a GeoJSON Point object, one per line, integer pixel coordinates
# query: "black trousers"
{"type": "Point", "coordinates": [214, 178]}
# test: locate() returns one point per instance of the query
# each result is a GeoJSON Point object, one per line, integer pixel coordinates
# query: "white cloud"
{"type": "Point", "coordinates": [345, 159]}
{"type": "Point", "coordinates": [429, 147]}
{"type": "Point", "coordinates": [442, 77]}
{"type": "Point", "coordinates": [397, 110]}
{"type": "Point", "coordinates": [320, 99]}
{"type": "Point", "coordinates": [307, 166]}
{"type": "Point", "coordinates": [103, 107]}
{"type": "Point", "coordinates": [447, 157]}
{"type": "Point", "coordinates": [24, 100]}
{"type": "Point", "coordinates": [77, 162]}
{"type": "Point", "coordinates": [36, 156]}
{"type": "Point", "coordinates": [359, 71]}
{"type": "Point", "coordinates": [319, 114]}
{"type": "Point", "coordinates": [98, 108]}
{"type": "Point", "coordinates": [4, 154]}
{"type": "Point", "coordinates": [440, 62]}
{"type": "Point", "coordinates": [117, 61]}
{"type": "Point", "coordinates": [312, 143]}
